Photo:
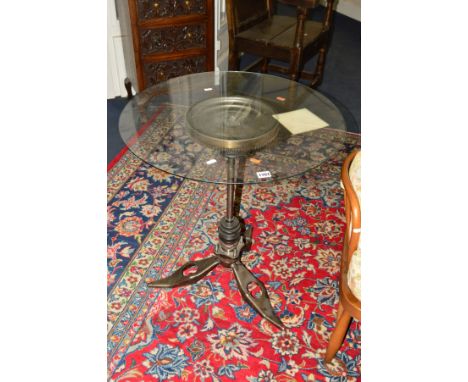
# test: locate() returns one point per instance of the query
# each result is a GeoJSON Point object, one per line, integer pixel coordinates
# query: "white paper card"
{"type": "Point", "coordinates": [211, 161]}
{"type": "Point", "coordinates": [300, 121]}
{"type": "Point", "coordinates": [263, 174]}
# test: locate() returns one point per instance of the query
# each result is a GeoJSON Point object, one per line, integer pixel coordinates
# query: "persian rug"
{"type": "Point", "coordinates": [205, 331]}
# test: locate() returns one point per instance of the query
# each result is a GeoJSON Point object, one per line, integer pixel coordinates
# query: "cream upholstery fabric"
{"type": "Point", "coordinates": [354, 271]}
{"type": "Point", "coordinates": [355, 174]}
{"type": "Point", "coordinates": [354, 274]}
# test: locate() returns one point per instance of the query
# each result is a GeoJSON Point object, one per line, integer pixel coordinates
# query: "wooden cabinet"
{"type": "Point", "coordinates": [165, 38]}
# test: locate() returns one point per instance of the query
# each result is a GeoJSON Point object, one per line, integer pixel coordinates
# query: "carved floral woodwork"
{"type": "Point", "coordinates": [151, 9]}
{"type": "Point", "coordinates": [172, 39]}
{"type": "Point", "coordinates": [166, 38]}
{"type": "Point", "coordinates": [156, 72]}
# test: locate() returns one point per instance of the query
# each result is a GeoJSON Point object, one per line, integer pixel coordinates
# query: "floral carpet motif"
{"type": "Point", "coordinates": [205, 331]}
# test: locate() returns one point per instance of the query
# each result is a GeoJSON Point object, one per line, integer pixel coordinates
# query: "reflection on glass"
{"type": "Point", "coordinates": [189, 125]}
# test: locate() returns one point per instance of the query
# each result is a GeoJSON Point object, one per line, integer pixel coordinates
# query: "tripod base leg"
{"type": "Point", "coordinates": [260, 303]}
{"type": "Point", "coordinates": [189, 273]}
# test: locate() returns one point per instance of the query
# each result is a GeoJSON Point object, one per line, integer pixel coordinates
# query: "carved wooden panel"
{"type": "Point", "coordinates": [166, 38]}
{"type": "Point", "coordinates": [156, 72]}
{"type": "Point", "coordinates": [171, 39]}
{"type": "Point", "coordinates": [151, 9]}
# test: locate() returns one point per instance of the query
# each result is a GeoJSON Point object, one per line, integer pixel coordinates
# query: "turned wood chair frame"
{"type": "Point", "coordinates": [295, 55]}
{"type": "Point", "coordinates": [349, 306]}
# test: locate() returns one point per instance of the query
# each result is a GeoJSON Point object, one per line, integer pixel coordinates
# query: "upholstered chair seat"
{"type": "Point", "coordinates": [349, 305]}
{"type": "Point", "coordinates": [354, 270]}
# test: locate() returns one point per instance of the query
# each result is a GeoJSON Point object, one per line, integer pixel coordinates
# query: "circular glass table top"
{"type": "Point", "coordinates": [274, 128]}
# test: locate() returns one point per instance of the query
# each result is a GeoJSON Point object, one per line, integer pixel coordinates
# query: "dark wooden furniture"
{"type": "Point", "coordinates": [166, 38]}
{"type": "Point", "coordinates": [349, 305]}
{"type": "Point", "coordinates": [255, 29]}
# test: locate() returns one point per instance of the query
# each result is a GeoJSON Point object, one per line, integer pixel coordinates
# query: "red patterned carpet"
{"type": "Point", "coordinates": [205, 332]}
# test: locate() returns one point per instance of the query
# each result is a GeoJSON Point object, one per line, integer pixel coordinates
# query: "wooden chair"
{"type": "Point", "coordinates": [254, 29]}
{"type": "Point", "coordinates": [350, 280]}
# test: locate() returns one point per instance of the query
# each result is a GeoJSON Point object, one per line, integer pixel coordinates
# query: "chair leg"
{"type": "Point", "coordinates": [294, 68]}
{"type": "Point", "coordinates": [265, 63]}
{"type": "Point", "coordinates": [296, 54]}
{"type": "Point", "coordinates": [343, 318]}
{"type": "Point", "coordinates": [128, 88]}
{"type": "Point", "coordinates": [234, 60]}
{"type": "Point", "coordinates": [318, 73]}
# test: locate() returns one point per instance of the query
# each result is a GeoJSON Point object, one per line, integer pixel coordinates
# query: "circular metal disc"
{"type": "Point", "coordinates": [233, 123]}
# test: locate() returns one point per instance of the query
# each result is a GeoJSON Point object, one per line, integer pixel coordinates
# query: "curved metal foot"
{"type": "Point", "coordinates": [182, 276]}
{"type": "Point", "coordinates": [260, 303]}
